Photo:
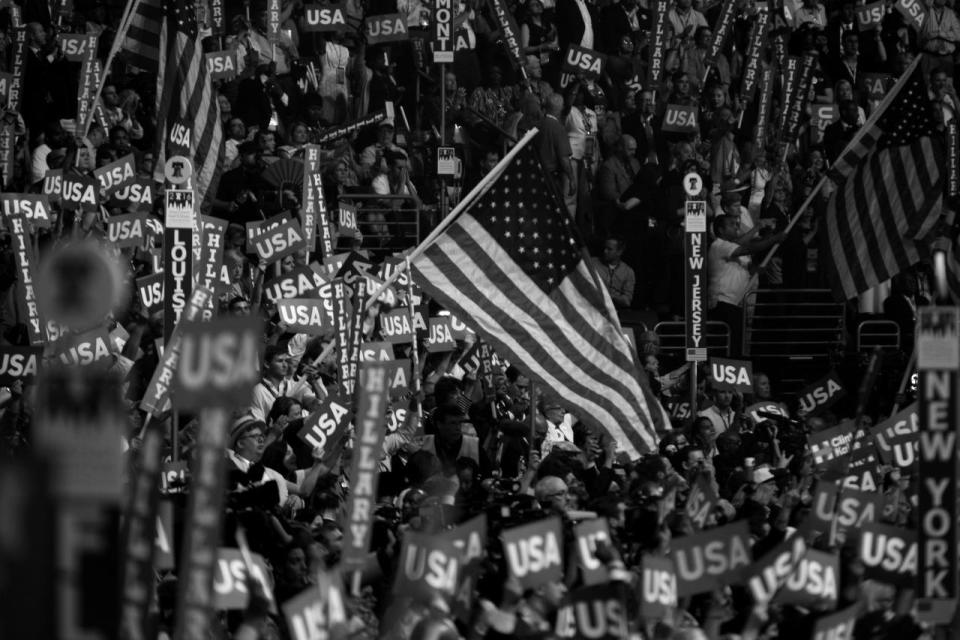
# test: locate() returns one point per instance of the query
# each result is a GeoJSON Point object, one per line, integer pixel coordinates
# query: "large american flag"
{"type": "Point", "coordinates": [186, 96]}
{"type": "Point", "coordinates": [881, 217]}
{"type": "Point", "coordinates": [512, 268]}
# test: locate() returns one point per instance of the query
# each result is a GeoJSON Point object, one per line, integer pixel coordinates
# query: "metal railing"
{"type": "Point", "coordinates": [801, 323]}
{"type": "Point", "coordinates": [877, 333]}
{"type": "Point", "coordinates": [388, 223]}
{"type": "Point", "coordinates": [673, 338]}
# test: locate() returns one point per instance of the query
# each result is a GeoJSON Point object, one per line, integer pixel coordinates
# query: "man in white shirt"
{"type": "Point", "coordinates": [276, 384]}
{"type": "Point", "coordinates": [731, 273]}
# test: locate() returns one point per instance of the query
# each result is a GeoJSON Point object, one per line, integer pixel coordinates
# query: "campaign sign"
{"type": "Point", "coordinates": [325, 17]}
{"type": "Point", "coordinates": [258, 227]}
{"type": "Point", "coordinates": [137, 194]}
{"type": "Point", "coordinates": [470, 539]}
{"type": "Point", "coordinates": [707, 560]}
{"type": "Point", "coordinates": [441, 335]}
{"type": "Point", "coordinates": [311, 613]}
{"type": "Point", "coordinates": [364, 466]}
{"type": "Point", "coordinates": [695, 271]}
{"type": "Point", "coordinates": [396, 327]}
{"type": "Point", "coordinates": [219, 362]}
{"type": "Point", "coordinates": [376, 352]}
{"type": "Point", "coordinates": [829, 446]}
{"type": "Point", "coordinates": [734, 375]}
{"type": "Point", "coordinates": [222, 65]}
{"type": "Point", "coordinates": [888, 553]}
{"type": "Point", "coordinates": [821, 117]}
{"type": "Point", "coordinates": [326, 427]}
{"type": "Point", "coordinates": [679, 410]}
{"type": "Point", "coordinates": [658, 41]}
{"type": "Point", "coordinates": [869, 16]}
{"type": "Point", "coordinates": [583, 61]}
{"type": "Point", "coordinates": [347, 216]}
{"type": "Point", "coordinates": [277, 244]}
{"type": "Point", "coordinates": [821, 395]}
{"type": "Point", "coordinates": [913, 11]}
{"type": "Point", "coordinates": [721, 31]}
{"type": "Point", "coordinates": [769, 573]}
{"type": "Point", "coordinates": [429, 566]}
{"type": "Point", "coordinates": [443, 32]}
{"type": "Point", "coordinates": [658, 589]}
{"type": "Point", "coordinates": [937, 490]}
{"type": "Point", "coordinates": [837, 626]}
{"type": "Point", "coordinates": [52, 185]}
{"type": "Point", "coordinates": [391, 27]}
{"type": "Point", "coordinates": [230, 579]}
{"type": "Point", "coordinates": [396, 417]}
{"type": "Point", "coordinates": [79, 192]}
{"type": "Point", "coordinates": [813, 581]}
{"type": "Point", "coordinates": [855, 509]}
{"type": "Point", "coordinates": [300, 282]}
{"type": "Point", "coordinates": [876, 85]}
{"type": "Point", "coordinates": [535, 552]}
{"type": "Point", "coordinates": [896, 438]}
{"type": "Point", "coordinates": [766, 406]}
{"type": "Point", "coordinates": [127, 230]}
{"type": "Point", "coordinates": [34, 207]}
{"type": "Point", "coordinates": [18, 363]}
{"type": "Point", "coordinates": [680, 119]}
{"type": "Point", "coordinates": [150, 290]}
{"type": "Point", "coordinates": [75, 46]}
{"type": "Point", "coordinates": [304, 315]}
{"type": "Point", "coordinates": [116, 175]}
{"type": "Point", "coordinates": [593, 613]}
{"type": "Point", "coordinates": [588, 535]}
{"type": "Point", "coordinates": [85, 349]}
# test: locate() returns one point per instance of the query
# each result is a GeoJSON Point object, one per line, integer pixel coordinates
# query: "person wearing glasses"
{"type": "Point", "coordinates": [252, 484]}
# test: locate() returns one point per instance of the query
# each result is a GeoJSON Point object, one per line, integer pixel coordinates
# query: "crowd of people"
{"type": "Point", "coordinates": [465, 442]}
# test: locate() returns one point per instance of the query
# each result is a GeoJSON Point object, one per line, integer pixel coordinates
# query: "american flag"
{"type": "Point", "coordinates": [186, 96]}
{"type": "Point", "coordinates": [890, 196]}
{"type": "Point", "coordinates": [142, 38]}
{"type": "Point", "coordinates": [512, 268]}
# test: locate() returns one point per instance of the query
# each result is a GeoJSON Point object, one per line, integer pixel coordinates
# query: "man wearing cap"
{"type": "Point", "coordinates": [373, 159]}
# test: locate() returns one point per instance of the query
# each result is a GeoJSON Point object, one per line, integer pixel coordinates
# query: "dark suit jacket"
{"type": "Point", "coordinates": [570, 25]}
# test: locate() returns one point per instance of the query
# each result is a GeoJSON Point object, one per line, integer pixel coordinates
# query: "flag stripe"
{"type": "Point", "coordinates": [142, 40]}
{"type": "Point", "coordinates": [506, 324]}
{"type": "Point", "coordinates": [879, 217]}
{"type": "Point", "coordinates": [576, 336]}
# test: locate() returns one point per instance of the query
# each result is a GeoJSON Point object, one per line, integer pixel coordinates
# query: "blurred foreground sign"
{"type": "Point", "coordinates": [218, 363]}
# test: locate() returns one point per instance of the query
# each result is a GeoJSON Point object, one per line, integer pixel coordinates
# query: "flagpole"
{"type": "Point", "coordinates": [117, 42]}
{"type": "Point", "coordinates": [902, 80]}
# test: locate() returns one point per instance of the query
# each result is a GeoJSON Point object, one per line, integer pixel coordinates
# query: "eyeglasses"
{"type": "Point", "coordinates": [259, 437]}
{"type": "Point", "coordinates": [559, 494]}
